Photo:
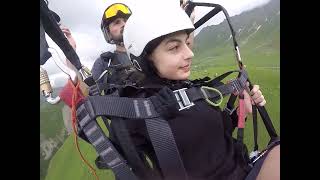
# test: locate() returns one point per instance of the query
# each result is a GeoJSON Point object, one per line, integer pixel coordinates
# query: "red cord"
{"type": "Point", "coordinates": [76, 89]}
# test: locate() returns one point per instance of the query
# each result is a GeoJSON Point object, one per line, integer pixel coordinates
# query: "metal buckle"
{"type": "Point", "coordinates": [257, 157]}
{"type": "Point", "coordinates": [202, 88]}
{"type": "Point", "coordinates": [230, 111]}
{"type": "Point", "coordinates": [183, 99]}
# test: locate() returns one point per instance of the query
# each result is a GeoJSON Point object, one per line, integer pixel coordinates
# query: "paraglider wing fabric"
{"type": "Point", "coordinates": [51, 27]}
{"type": "Point", "coordinates": [44, 53]}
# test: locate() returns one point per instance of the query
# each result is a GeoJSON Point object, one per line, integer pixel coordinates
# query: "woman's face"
{"type": "Point", "coordinates": [172, 57]}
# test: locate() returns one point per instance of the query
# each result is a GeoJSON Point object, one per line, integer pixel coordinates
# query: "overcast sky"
{"type": "Point", "coordinates": [83, 18]}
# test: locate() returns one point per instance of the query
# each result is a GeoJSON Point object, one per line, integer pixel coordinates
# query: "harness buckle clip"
{"type": "Point", "coordinates": [229, 111]}
{"type": "Point", "coordinates": [183, 99]}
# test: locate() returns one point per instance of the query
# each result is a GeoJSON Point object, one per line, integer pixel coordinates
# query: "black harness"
{"type": "Point", "coordinates": [119, 109]}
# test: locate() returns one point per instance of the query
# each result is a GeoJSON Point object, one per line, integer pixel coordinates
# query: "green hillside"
{"type": "Point", "coordinates": [52, 132]}
{"type": "Point", "coordinates": [257, 32]}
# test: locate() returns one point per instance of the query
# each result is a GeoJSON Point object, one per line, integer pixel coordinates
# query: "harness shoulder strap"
{"type": "Point", "coordinates": [104, 147]}
{"type": "Point", "coordinates": [134, 158]}
{"type": "Point", "coordinates": [106, 56]}
{"type": "Point", "coordinates": [139, 108]}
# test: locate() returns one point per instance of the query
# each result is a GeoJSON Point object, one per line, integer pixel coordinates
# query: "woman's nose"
{"type": "Point", "coordinates": [188, 52]}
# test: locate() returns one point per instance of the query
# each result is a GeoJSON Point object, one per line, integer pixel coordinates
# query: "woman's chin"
{"type": "Point", "coordinates": [183, 76]}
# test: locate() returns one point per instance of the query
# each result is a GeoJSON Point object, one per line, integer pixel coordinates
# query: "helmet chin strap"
{"type": "Point", "coordinates": [120, 48]}
{"type": "Point", "coordinates": [119, 43]}
{"type": "Point", "coordinates": [144, 64]}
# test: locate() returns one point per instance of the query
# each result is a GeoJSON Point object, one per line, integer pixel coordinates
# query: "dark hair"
{"type": "Point", "coordinates": [155, 43]}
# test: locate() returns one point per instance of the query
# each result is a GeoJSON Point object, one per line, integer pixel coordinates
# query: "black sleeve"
{"type": "Point", "coordinates": [234, 119]}
{"type": "Point", "coordinates": [230, 121]}
{"type": "Point", "coordinates": [97, 68]}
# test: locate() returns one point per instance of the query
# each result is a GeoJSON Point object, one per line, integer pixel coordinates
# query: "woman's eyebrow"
{"type": "Point", "coordinates": [170, 40]}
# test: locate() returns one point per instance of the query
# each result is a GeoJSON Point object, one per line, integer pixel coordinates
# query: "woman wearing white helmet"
{"type": "Point", "coordinates": [203, 134]}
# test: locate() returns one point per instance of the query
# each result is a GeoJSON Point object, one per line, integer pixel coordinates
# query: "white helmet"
{"type": "Point", "coordinates": [157, 18]}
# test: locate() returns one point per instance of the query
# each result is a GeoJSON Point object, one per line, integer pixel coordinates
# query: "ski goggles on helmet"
{"type": "Point", "coordinates": [112, 10]}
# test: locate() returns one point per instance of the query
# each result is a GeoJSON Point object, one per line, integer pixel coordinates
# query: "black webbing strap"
{"type": "Point", "coordinates": [236, 85]}
{"type": "Point", "coordinates": [213, 12]}
{"type": "Point", "coordinates": [140, 108]}
{"type": "Point", "coordinates": [107, 151]}
{"type": "Point", "coordinates": [103, 146]}
{"type": "Point", "coordinates": [166, 149]}
{"type": "Point", "coordinates": [44, 53]}
{"type": "Point", "coordinates": [101, 164]}
{"type": "Point", "coordinates": [262, 111]}
{"type": "Point", "coordinates": [221, 77]}
{"type": "Point", "coordinates": [131, 108]}
{"type": "Point", "coordinates": [194, 93]}
{"type": "Point", "coordinates": [94, 90]}
{"type": "Point", "coordinates": [53, 30]}
{"type": "Point", "coordinates": [264, 116]}
{"type": "Point", "coordinates": [138, 163]}
{"type": "Point", "coordinates": [120, 132]}
{"type": "Point", "coordinates": [229, 108]}
{"type": "Point", "coordinates": [255, 127]}
{"type": "Point", "coordinates": [267, 122]}
{"type": "Point", "coordinates": [99, 87]}
{"type": "Point", "coordinates": [205, 18]}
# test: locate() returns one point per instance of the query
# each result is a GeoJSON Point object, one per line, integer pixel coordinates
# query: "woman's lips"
{"type": "Point", "coordinates": [185, 68]}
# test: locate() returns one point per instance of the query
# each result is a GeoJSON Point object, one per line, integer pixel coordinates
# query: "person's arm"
{"type": "Point", "coordinates": [69, 36]}
{"type": "Point", "coordinates": [97, 69]}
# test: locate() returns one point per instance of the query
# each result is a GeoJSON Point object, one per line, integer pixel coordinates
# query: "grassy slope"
{"type": "Point", "coordinates": [51, 124]}
{"type": "Point", "coordinates": [67, 164]}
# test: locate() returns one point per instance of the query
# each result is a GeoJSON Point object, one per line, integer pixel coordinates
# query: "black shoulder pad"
{"type": "Point", "coordinates": [200, 80]}
{"type": "Point", "coordinates": [106, 55]}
